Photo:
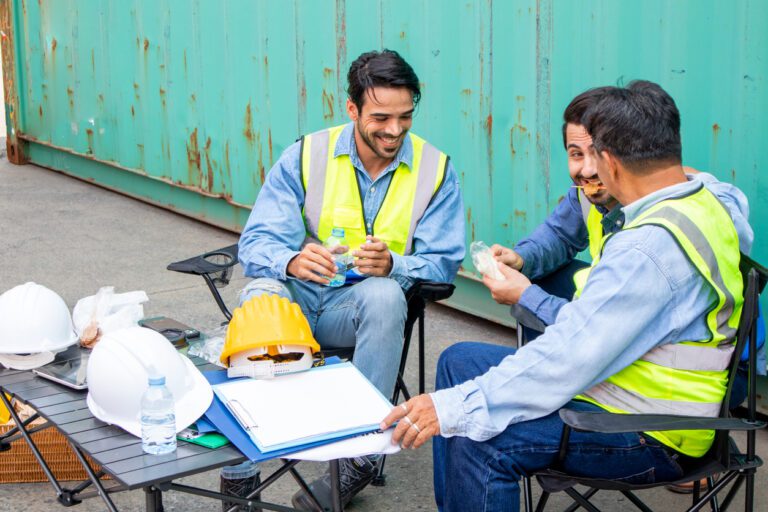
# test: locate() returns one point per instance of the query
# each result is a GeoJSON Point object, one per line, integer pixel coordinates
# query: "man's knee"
{"type": "Point", "coordinates": [265, 285]}
{"type": "Point", "coordinates": [379, 294]}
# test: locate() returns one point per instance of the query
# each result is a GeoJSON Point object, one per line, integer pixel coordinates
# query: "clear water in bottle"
{"type": "Point", "coordinates": [336, 243]}
{"type": "Point", "coordinates": [158, 419]}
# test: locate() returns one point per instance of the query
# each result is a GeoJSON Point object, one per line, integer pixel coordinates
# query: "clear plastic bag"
{"type": "Point", "coordinates": [210, 345]}
{"type": "Point", "coordinates": [484, 261]}
{"type": "Point", "coordinates": [105, 312]}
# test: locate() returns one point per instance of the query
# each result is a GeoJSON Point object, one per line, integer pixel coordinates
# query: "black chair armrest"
{"type": "Point", "coordinates": [609, 423]}
{"type": "Point", "coordinates": [208, 263]}
{"type": "Point", "coordinates": [430, 291]}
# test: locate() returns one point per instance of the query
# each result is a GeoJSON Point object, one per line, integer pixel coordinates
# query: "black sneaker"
{"type": "Point", "coordinates": [240, 487]}
{"type": "Point", "coordinates": [354, 475]}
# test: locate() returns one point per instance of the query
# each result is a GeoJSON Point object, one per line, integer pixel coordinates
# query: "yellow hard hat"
{"type": "Point", "coordinates": [270, 335]}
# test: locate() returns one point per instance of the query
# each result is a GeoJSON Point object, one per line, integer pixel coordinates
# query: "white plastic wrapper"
{"type": "Point", "coordinates": [210, 346]}
{"type": "Point", "coordinates": [109, 311]}
{"type": "Point", "coordinates": [484, 261]}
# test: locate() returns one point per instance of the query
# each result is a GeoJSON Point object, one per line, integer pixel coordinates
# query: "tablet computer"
{"type": "Point", "coordinates": [69, 368]}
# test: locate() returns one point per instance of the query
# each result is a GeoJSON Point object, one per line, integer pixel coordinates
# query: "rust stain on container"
{"type": "Point", "coordinates": [248, 129]}
{"type": "Point", "coordinates": [40, 110]}
{"type": "Point", "coordinates": [227, 166]}
{"type": "Point", "coordinates": [402, 34]}
{"type": "Point", "coordinates": [133, 112]}
{"type": "Point", "coordinates": [93, 60]}
{"type": "Point", "coordinates": [54, 44]}
{"type": "Point", "coordinates": [71, 96]}
{"type": "Point", "coordinates": [208, 165]}
{"type": "Point", "coordinates": [269, 143]}
{"type": "Point", "coordinates": [327, 72]}
{"type": "Point", "coordinates": [520, 214]}
{"type": "Point", "coordinates": [466, 92]}
{"type": "Point", "coordinates": [146, 44]}
{"type": "Point", "coordinates": [262, 171]}
{"type": "Point", "coordinates": [193, 157]}
{"type": "Point", "coordinates": [327, 105]}
{"type": "Point", "coordinates": [89, 134]}
{"type": "Point", "coordinates": [162, 96]}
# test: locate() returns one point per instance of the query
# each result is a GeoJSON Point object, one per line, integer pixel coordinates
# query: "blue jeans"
{"type": "Point", "coordinates": [484, 476]}
{"type": "Point", "coordinates": [369, 315]}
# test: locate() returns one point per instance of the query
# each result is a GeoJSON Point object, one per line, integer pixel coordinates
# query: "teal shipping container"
{"type": "Point", "coordinates": [186, 104]}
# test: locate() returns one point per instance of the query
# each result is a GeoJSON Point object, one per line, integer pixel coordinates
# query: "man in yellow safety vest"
{"type": "Point", "coordinates": [652, 331]}
{"type": "Point", "coordinates": [394, 201]}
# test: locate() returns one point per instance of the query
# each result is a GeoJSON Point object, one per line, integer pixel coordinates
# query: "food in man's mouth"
{"type": "Point", "coordinates": [592, 188]}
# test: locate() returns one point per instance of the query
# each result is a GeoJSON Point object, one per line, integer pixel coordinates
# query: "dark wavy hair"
{"type": "Point", "coordinates": [380, 69]}
{"type": "Point", "coordinates": [639, 124]}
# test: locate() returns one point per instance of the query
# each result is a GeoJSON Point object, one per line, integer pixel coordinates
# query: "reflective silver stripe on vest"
{"type": "Point", "coordinates": [585, 205]}
{"type": "Point", "coordinates": [610, 394]}
{"type": "Point", "coordinates": [697, 238]}
{"type": "Point", "coordinates": [430, 158]}
{"type": "Point", "coordinates": [691, 357]}
{"type": "Point", "coordinates": [318, 161]}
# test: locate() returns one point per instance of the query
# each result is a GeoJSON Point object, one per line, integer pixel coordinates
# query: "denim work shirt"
{"type": "Point", "coordinates": [275, 229]}
{"type": "Point", "coordinates": [644, 293]}
{"type": "Point", "coordinates": [563, 235]}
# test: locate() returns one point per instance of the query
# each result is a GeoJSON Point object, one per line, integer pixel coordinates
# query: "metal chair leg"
{"type": "Point", "coordinates": [336, 505]}
{"type": "Point", "coordinates": [527, 497]}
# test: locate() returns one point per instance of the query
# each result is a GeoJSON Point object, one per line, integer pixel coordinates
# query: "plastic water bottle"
{"type": "Point", "coordinates": [158, 420]}
{"type": "Point", "coordinates": [334, 243]}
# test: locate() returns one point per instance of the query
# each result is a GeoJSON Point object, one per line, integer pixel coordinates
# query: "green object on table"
{"type": "Point", "coordinates": [209, 440]}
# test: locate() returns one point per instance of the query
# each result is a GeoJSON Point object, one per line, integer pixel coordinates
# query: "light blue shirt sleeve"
{"type": "Point", "coordinates": [438, 241]}
{"type": "Point", "coordinates": [556, 241]}
{"type": "Point", "coordinates": [643, 293]}
{"type": "Point", "coordinates": [275, 229]}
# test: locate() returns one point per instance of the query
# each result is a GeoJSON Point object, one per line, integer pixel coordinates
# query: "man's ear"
{"type": "Point", "coordinates": [352, 111]}
{"type": "Point", "coordinates": [613, 165]}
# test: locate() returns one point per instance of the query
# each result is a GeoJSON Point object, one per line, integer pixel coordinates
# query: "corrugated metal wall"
{"type": "Point", "coordinates": [187, 103]}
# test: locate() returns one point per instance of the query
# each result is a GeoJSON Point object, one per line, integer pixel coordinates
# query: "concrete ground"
{"type": "Point", "coordinates": [75, 237]}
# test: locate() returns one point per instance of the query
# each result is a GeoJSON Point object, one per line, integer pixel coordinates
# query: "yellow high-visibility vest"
{"type": "Point", "coordinates": [686, 377]}
{"type": "Point", "coordinates": [593, 219]}
{"type": "Point", "coordinates": [333, 198]}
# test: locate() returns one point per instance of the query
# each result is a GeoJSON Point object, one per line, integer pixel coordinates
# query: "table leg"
{"type": "Point", "coordinates": [154, 499]}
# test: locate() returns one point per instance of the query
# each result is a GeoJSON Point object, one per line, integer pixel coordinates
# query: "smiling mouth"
{"type": "Point", "coordinates": [389, 142]}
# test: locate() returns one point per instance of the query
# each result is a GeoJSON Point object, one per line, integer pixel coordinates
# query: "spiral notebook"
{"type": "Point", "coordinates": [324, 403]}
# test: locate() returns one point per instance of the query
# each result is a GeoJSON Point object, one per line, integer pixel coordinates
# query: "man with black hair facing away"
{"type": "Point", "coordinates": [397, 198]}
{"type": "Point", "coordinates": [663, 298]}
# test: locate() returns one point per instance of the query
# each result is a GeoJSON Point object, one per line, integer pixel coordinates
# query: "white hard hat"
{"type": "Point", "coordinates": [118, 371]}
{"type": "Point", "coordinates": [34, 324]}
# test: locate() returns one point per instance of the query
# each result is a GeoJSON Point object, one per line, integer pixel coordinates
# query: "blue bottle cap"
{"type": "Point", "coordinates": [157, 381]}
{"type": "Point", "coordinates": [337, 232]}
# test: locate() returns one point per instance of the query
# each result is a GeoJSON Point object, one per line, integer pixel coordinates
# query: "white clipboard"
{"type": "Point", "coordinates": [324, 403]}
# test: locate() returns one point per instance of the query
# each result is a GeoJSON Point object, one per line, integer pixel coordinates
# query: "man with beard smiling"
{"type": "Point", "coordinates": [397, 198]}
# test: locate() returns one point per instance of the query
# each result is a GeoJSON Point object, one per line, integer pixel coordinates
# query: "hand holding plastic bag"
{"type": "Point", "coordinates": [105, 312]}
{"type": "Point", "coordinates": [484, 262]}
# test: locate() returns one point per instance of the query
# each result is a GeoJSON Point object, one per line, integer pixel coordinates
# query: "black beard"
{"type": "Point", "coordinates": [372, 146]}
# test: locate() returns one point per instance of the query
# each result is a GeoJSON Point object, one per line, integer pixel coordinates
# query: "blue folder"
{"type": "Point", "coordinates": [226, 424]}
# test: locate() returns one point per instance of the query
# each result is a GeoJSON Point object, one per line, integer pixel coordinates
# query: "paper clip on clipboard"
{"type": "Point", "coordinates": [242, 415]}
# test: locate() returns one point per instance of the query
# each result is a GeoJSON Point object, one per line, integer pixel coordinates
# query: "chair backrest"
{"type": "Point", "coordinates": [755, 277]}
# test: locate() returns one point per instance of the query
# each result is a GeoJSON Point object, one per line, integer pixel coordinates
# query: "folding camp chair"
{"type": "Point", "coordinates": [722, 465]}
{"type": "Point", "coordinates": [215, 267]}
